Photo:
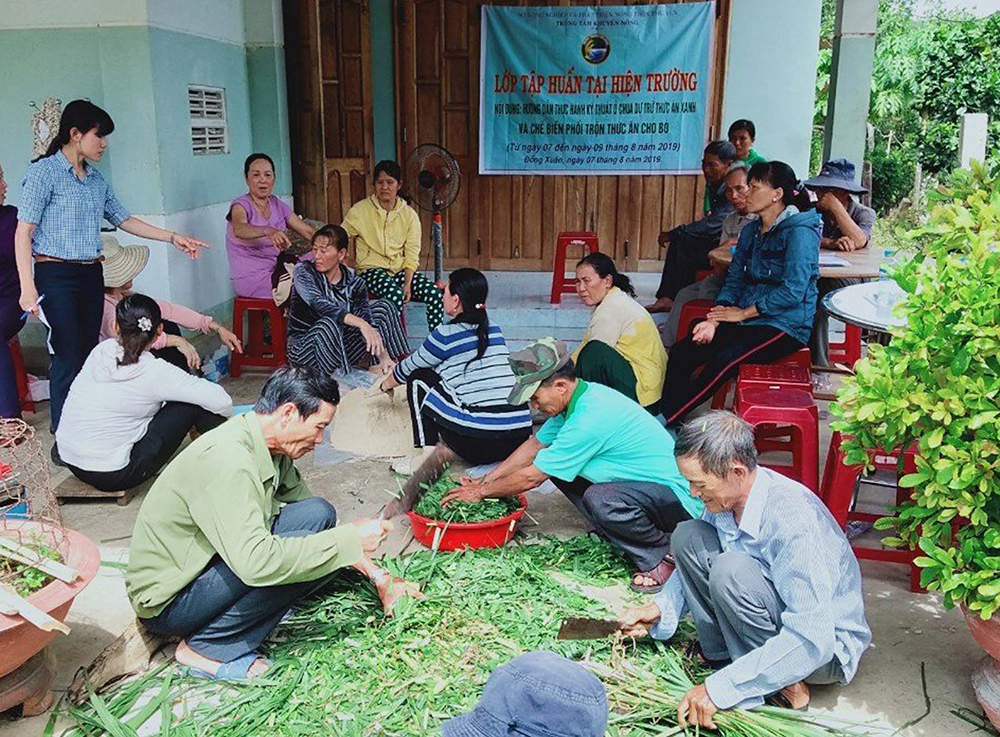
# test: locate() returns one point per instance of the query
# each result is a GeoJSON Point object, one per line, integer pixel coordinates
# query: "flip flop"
{"type": "Point", "coordinates": [781, 701]}
{"type": "Point", "coordinates": [235, 670]}
{"type": "Point", "coordinates": [660, 574]}
{"type": "Point", "coordinates": [695, 652]}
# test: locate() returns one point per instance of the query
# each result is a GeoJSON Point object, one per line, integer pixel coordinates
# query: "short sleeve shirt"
{"type": "Point", "coordinates": [66, 210]}
{"type": "Point", "coordinates": [863, 217]}
{"type": "Point", "coordinates": [604, 436]}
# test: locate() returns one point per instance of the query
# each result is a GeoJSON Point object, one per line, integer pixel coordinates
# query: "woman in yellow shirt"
{"type": "Point", "coordinates": [622, 347]}
{"type": "Point", "coordinates": [386, 231]}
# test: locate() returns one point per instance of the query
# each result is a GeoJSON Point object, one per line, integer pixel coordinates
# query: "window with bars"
{"type": "Point", "coordinates": [207, 109]}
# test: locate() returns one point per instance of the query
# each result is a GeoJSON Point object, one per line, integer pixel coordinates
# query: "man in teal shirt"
{"type": "Point", "coordinates": [607, 454]}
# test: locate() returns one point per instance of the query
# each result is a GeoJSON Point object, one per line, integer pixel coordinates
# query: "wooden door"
{"type": "Point", "coordinates": [511, 222]}
{"type": "Point", "coordinates": [327, 51]}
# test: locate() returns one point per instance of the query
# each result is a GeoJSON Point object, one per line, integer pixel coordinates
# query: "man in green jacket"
{"type": "Point", "coordinates": [229, 536]}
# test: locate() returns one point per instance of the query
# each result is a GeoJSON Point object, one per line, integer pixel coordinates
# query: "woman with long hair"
{"type": "Point", "coordinates": [63, 200]}
{"type": "Point", "coordinates": [458, 382]}
{"type": "Point", "coordinates": [765, 309]}
{"type": "Point", "coordinates": [387, 245]}
{"type": "Point", "coordinates": [622, 347]}
{"type": "Point", "coordinates": [128, 411]}
{"type": "Point", "coordinates": [332, 325]}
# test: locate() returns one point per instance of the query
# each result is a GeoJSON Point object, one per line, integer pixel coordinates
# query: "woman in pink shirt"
{"type": "Point", "coordinates": [121, 265]}
{"type": "Point", "coordinates": [256, 231]}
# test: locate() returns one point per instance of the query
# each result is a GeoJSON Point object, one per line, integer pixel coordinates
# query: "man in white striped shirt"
{"type": "Point", "coordinates": [767, 575]}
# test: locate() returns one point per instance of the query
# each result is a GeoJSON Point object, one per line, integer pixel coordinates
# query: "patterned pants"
{"type": "Point", "coordinates": [390, 286]}
{"type": "Point", "coordinates": [331, 347]}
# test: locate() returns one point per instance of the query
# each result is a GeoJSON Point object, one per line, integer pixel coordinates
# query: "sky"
{"type": "Point", "coordinates": [978, 8]}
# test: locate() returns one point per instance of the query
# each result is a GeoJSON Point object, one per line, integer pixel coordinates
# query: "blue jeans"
{"type": "Point", "coordinates": [73, 306]}
{"type": "Point", "coordinates": [222, 618]}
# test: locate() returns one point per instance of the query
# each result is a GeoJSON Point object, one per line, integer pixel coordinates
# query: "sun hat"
{"type": "Point", "coordinates": [836, 174]}
{"type": "Point", "coordinates": [121, 263]}
{"type": "Point", "coordinates": [533, 365]}
{"type": "Point", "coordinates": [537, 694]}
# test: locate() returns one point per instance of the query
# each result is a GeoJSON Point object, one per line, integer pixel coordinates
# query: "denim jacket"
{"type": "Point", "coordinates": [777, 272]}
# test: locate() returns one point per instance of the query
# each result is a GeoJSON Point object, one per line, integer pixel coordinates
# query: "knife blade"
{"type": "Point", "coordinates": [584, 628]}
{"type": "Point", "coordinates": [429, 472]}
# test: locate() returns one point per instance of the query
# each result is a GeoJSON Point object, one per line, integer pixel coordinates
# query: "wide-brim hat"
{"type": "Point", "coordinates": [836, 174]}
{"type": "Point", "coordinates": [121, 263]}
{"type": "Point", "coordinates": [533, 365]}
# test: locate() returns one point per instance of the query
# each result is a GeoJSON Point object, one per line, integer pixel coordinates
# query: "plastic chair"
{"type": "Point", "coordinates": [798, 415]}
{"type": "Point", "coordinates": [20, 375]}
{"type": "Point", "coordinates": [774, 376]}
{"type": "Point", "coordinates": [256, 353]}
{"type": "Point", "coordinates": [560, 284]}
{"type": "Point", "coordinates": [702, 274]}
{"type": "Point", "coordinates": [837, 493]}
{"type": "Point", "coordinates": [848, 352]}
{"type": "Point", "coordinates": [801, 358]}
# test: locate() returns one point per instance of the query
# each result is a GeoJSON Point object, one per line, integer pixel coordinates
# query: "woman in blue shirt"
{"type": "Point", "coordinates": [765, 309]}
{"type": "Point", "coordinates": [63, 200]}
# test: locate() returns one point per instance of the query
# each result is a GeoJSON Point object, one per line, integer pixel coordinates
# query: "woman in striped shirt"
{"type": "Point", "coordinates": [458, 381]}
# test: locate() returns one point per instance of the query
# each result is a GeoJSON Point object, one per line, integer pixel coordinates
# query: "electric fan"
{"type": "Point", "coordinates": [433, 179]}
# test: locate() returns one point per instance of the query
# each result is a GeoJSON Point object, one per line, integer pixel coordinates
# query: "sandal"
{"type": "Point", "coordinates": [695, 652]}
{"type": "Point", "coordinates": [660, 574]}
{"type": "Point", "coordinates": [235, 670]}
{"type": "Point", "coordinates": [781, 700]}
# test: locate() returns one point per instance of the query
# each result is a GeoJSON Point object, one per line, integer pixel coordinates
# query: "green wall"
{"type": "Point", "coordinates": [177, 60]}
{"type": "Point", "coordinates": [110, 67]}
{"type": "Point", "coordinates": [269, 110]}
{"type": "Point", "coordinates": [384, 95]}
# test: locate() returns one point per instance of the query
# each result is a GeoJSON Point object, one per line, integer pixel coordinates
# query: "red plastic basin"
{"type": "Point", "coordinates": [459, 535]}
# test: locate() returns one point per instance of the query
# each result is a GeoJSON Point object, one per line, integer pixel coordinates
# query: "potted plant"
{"type": "Point", "coordinates": [937, 384]}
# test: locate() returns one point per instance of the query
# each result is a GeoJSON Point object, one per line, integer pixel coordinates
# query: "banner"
{"type": "Point", "coordinates": [594, 90]}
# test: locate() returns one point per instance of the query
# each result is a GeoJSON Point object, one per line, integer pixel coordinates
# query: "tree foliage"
{"type": "Point", "coordinates": [926, 73]}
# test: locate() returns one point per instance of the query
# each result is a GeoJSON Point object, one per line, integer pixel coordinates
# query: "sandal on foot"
{"type": "Point", "coordinates": [660, 574]}
{"type": "Point", "coordinates": [780, 700]}
{"type": "Point", "coordinates": [235, 670]}
{"type": "Point", "coordinates": [695, 652]}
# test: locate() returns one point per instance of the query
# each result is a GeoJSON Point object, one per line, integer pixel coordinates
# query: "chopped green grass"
{"type": "Point", "coordinates": [343, 669]}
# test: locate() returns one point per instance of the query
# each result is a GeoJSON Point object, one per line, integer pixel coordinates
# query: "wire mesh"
{"type": "Point", "coordinates": [29, 510]}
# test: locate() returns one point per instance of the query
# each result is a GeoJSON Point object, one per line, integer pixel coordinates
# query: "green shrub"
{"type": "Point", "coordinates": [892, 177]}
{"type": "Point", "coordinates": [937, 384]}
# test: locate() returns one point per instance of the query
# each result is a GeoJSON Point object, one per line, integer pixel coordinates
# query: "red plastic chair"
{"type": "Point", "coordinates": [256, 353]}
{"type": "Point", "coordinates": [691, 311]}
{"type": "Point", "coordinates": [20, 375]}
{"type": "Point", "coordinates": [801, 358]}
{"type": "Point", "coordinates": [837, 493]}
{"type": "Point", "coordinates": [848, 352]}
{"type": "Point", "coordinates": [560, 284]}
{"type": "Point", "coordinates": [798, 415]}
{"type": "Point", "coordinates": [702, 274]}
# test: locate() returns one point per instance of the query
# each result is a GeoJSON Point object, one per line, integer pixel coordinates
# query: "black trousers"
{"type": "Point", "coordinates": [73, 307]}
{"type": "Point", "coordinates": [10, 323]}
{"type": "Point", "coordinates": [171, 354]}
{"type": "Point", "coordinates": [474, 446]}
{"type": "Point", "coordinates": [224, 619]}
{"type": "Point", "coordinates": [637, 516]}
{"type": "Point", "coordinates": [686, 255]}
{"type": "Point", "coordinates": [695, 371]}
{"type": "Point", "coordinates": [164, 435]}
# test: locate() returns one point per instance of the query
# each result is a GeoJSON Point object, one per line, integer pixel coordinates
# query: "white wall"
{"type": "Point", "coordinates": [771, 75]}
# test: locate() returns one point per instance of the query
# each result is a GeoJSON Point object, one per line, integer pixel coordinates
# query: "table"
{"type": "Point", "coordinates": [867, 305]}
{"type": "Point", "coordinates": [863, 264]}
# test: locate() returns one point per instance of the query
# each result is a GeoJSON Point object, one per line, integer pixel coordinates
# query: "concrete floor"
{"type": "Point", "coordinates": [910, 630]}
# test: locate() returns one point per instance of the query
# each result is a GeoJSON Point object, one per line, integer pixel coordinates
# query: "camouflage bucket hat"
{"type": "Point", "coordinates": [533, 365]}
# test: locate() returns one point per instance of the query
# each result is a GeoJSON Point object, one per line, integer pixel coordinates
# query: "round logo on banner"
{"type": "Point", "coordinates": [596, 48]}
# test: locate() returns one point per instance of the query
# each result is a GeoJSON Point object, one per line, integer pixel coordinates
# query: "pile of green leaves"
{"type": "Point", "coordinates": [938, 383]}
{"type": "Point", "coordinates": [343, 669]}
{"type": "Point", "coordinates": [25, 579]}
{"type": "Point", "coordinates": [429, 504]}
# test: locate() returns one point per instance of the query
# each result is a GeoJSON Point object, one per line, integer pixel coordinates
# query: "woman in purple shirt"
{"type": "Point", "coordinates": [10, 311]}
{"type": "Point", "coordinates": [256, 232]}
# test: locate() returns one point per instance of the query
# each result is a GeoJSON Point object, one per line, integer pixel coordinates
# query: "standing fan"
{"type": "Point", "coordinates": [434, 181]}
